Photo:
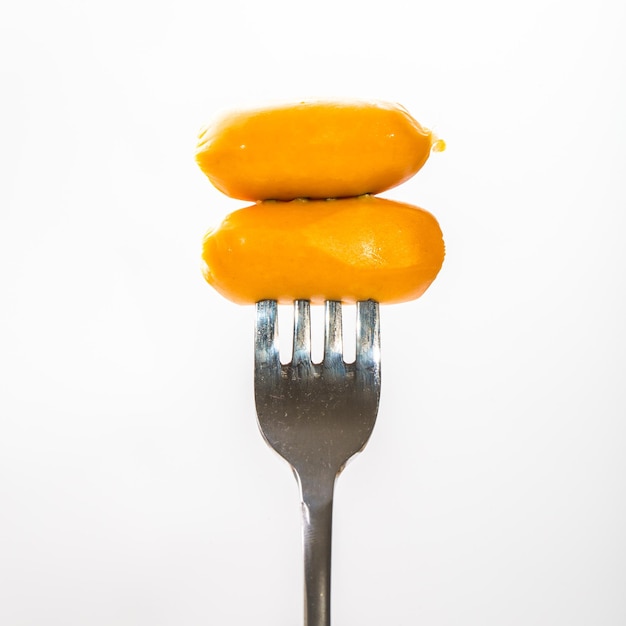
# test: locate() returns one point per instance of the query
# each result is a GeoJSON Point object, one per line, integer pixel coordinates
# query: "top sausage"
{"type": "Point", "coordinates": [317, 149]}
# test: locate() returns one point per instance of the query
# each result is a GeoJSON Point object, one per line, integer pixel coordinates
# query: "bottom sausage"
{"type": "Point", "coordinates": [350, 249]}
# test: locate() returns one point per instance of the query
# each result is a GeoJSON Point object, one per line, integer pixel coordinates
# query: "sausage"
{"type": "Point", "coordinates": [317, 149]}
{"type": "Point", "coordinates": [348, 249]}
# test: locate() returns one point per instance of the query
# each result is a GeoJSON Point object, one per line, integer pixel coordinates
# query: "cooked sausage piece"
{"type": "Point", "coordinates": [317, 149]}
{"type": "Point", "coordinates": [349, 250]}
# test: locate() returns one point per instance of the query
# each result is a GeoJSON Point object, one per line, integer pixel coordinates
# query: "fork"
{"type": "Point", "coordinates": [317, 416]}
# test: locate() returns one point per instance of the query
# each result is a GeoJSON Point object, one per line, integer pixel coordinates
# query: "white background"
{"type": "Point", "coordinates": [135, 489]}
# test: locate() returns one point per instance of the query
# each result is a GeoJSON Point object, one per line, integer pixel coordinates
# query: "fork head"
{"type": "Point", "coordinates": [317, 415]}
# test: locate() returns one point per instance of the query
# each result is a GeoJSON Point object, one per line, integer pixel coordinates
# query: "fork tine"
{"type": "Point", "coordinates": [333, 340]}
{"type": "Point", "coordinates": [301, 333]}
{"type": "Point", "coordinates": [266, 351]}
{"type": "Point", "coordinates": [368, 343]}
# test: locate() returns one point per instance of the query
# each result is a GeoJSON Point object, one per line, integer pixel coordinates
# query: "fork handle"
{"type": "Point", "coordinates": [317, 517]}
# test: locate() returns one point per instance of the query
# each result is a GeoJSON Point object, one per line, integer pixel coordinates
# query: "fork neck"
{"type": "Point", "coordinates": [317, 513]}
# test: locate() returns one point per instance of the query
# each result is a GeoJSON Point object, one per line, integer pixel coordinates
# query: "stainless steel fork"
{"type": "Point", "coordinates": [317, 416]}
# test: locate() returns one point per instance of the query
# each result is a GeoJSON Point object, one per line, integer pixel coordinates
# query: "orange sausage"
{"type": "Point", "coordinates": [349, 249]}
{"type": "Point", "coordinates": [316, 149]}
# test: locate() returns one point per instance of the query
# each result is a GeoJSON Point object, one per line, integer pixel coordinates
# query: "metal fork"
{"type": "Point", "coordinates": [317, 416]}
